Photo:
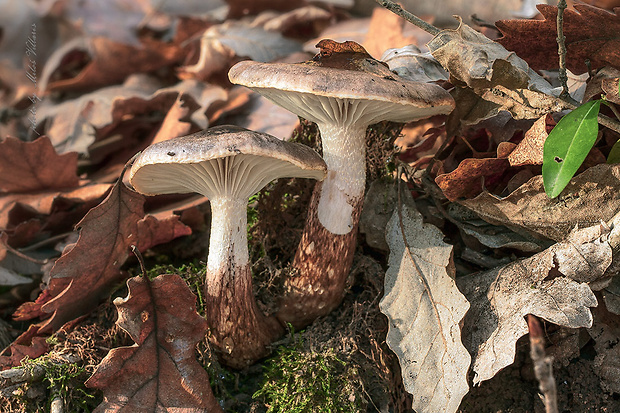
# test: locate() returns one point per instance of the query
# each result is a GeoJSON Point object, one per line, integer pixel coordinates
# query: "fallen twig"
{"type": "Point", "coordinates": [543, 365]}
{"type": "Point", "coordinates": [562, 76]}
{"type": "Point", "coordinates": [410, 17]}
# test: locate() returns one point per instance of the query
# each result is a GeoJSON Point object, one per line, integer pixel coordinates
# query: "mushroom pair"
{"type": "Point", "coordinates": [227, 164]}
{"type": "Point", "coordinates": [343, 90]}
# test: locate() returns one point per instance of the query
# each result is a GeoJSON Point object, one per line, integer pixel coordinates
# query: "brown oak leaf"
{"type": "Point", "coordinates": [26, 345]}
{"type": "Point", "coordinates": [111, 62]}
{"type": "Point", "coordinates": [591, 34]}
{"type": "Point", "coordinates": [160, 372]}
{"type": "Point", "coordinates": [471, 177]}
{"type": "Point", "coordinates": [33, 166]}
{"type": "Point", "coordinates": [86, 272]}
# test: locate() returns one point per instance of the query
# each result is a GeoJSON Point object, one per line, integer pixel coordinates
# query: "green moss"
{"type": "Point", "coordinates": [64, 380]}
{"type": "Point", "coordinates": [297, 381]}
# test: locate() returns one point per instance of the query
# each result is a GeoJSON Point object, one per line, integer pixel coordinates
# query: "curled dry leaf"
{"type": "Point", "coordinates": [591, 35]}
{"type": "Point", "coordinates": [530, 150]}
{"type": "Point", "coordinates": [480, 63]}
{"type": "Point", "coordinates": [410, 63]}
{"type": "Point", "coordinates": [471, 177]}
{"type": "Point", "coordinates": [221, 44]}
{"type": "Point", "coordinates": [86, 272]}
{"type": "Point", "coordinates": [297, 23]}
{"type": "Point", "coordinates": [49, 203]}
{"type": "Point", "coordinates": [160, 372]}
{"type": "Point", "coordinates": [241, 8]}
{"type": "Point", "coordinates": [105, 68]}
{"type": "Point", "coordinates": [528, 209]}
{"type": "Point", "coordinates": [548, 285]}
{"type": "Point", "coordinates": [72, 123]}
{"type": "Point", "coordinates": [26, 345]}
{"type": "Point", "coordinates": [34, 166]}
{"type": "Point", "coordinates": [424, 309]}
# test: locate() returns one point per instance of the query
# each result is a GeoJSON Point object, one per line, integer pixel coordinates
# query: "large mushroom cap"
{"type": "Point", "coordinates": [224, 159]}
{"type": "Point", "coordinates": [346, 72]}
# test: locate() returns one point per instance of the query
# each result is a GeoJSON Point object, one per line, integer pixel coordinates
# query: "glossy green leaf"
{"type": "Point", "coordinates": [614, 153]}
{"type": "Point", "coordinates": [567, 146]}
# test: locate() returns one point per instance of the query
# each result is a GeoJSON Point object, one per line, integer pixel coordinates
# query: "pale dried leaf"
{"type": "Point", "coordinates": [71, 124]}
{"type": "Point", "coordinates": [11, 278]}
{"type": "Point", "coordinates": [480, 63]}
{"type": "Point", "coordinates": [494, 236]}
{"type": "Point", "coordinates": [528, 209]}
{"type": "Point", "coordinates": [409, 62]}
{"type": "Point", "coordinates": [262, 115]}
{"type": "Point", "coordinates": [424, 309]}
{"type": "Point", "coordinates": [539, 285]}
{"type": "Point", "coordinates": [530, 150]}
{"type": "Point", "coordinates": [221, 43]}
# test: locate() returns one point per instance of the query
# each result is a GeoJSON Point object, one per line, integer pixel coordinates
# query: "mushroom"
{"type": "Point", "coordinates": [343, 90]}
{"type": "Point", "coordinates": [227, 164]}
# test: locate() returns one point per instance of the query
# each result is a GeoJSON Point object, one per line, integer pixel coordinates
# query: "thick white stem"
{"type": "Point", "coordinates": [228, 244]}
{"type": "Point", "coordinates": [344, 152]}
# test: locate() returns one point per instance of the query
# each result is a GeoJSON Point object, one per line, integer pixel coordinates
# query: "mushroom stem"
{"type": "Point", "coordinates": [325, 252]}
{"type": "Point", "coordinates": [237, 327]}
{"type": "Point", "coordinates": [344, 152]}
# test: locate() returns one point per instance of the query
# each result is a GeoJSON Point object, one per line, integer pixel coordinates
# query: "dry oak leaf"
{"type": "Point", "coordinates": [474, 60]}
{"type": "Point", "coordinates": [470, 177]}
{"type": "Point", "coordinates": [160, 372]}
{"type": "Point", "coordinates": [541, 285]}
{"type": "Point", "coordinates": [28, 344]}
{"type": "Point", "coordinates": [220, 45]}
{"type": "Point", "coordinates": [34, 166]}
{"type": "Point", "coordinates": [605, 81]}
{"type": "Point", "coordinates": [424, 308]}
{"type": "Point", "coordinates": [72, 124]}
{"type": "Point", "coordinates": [242, 8]}
{"type": "Point", "coordinates": [48, 203]}
{"type": "Point", "coordinates": [530, 150]}
{"type": "Point", "coordinates": [86, 272]}
{"type": "Point", "coordinates": [111, 62]}
{"type": "Point", "coordinates": [529, 210]}
{"type": "Point", "coordinates": [409, 62]}
{"type": "Point", "coordinates": [591, 35]}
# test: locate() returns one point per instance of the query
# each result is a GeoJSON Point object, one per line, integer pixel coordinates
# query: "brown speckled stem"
{"type": "Point", "coordinates": [322, 262]}
{"type": "Point", "coordinates": [237, 328]}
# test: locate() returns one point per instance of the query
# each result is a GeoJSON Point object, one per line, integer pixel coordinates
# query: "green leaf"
{"type": "Point", "coordinates": [614, 153]}
{"type": "Point", "coordinates": [567, 146]}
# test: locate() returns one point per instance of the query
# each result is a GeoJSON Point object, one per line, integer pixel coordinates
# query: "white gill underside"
{"type": "Point", "coordinates": [343, 124]}
{"type": "Point", "coordinates": [237, 176]}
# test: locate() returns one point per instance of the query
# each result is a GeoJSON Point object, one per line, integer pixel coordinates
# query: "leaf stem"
{"type": "Point", "coordinates": [410, 17]}
{"type": "Point", "coordinates": [562, 76]}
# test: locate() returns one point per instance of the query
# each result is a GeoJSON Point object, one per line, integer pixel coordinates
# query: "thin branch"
{"type": "Point", "coordinates": [543, 365]}
{"type": "Point", "coordinates": [562, 76]}
{"type": "Point", "coordinates": [411, 18]}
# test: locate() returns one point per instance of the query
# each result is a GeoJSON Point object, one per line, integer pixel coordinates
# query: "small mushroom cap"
{"type": "Point", "coordinates": [221, 160]}
{"type": "Point", "coordinates": [348, 74]}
